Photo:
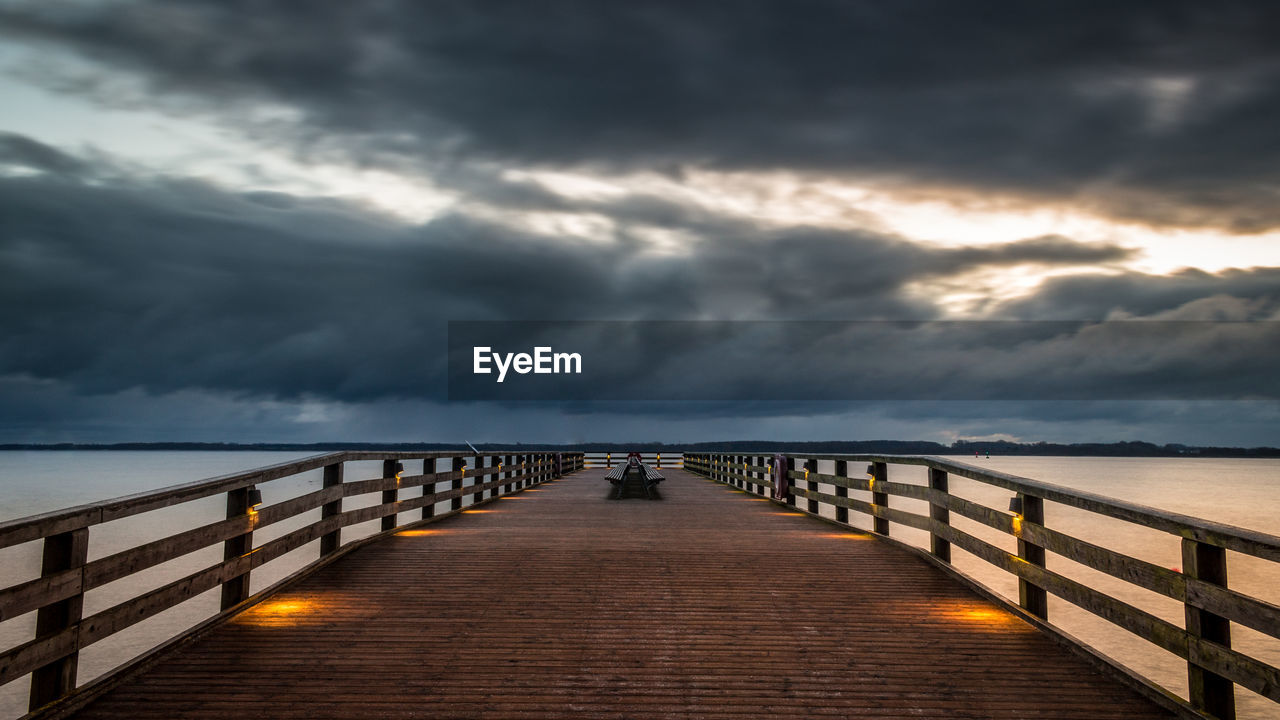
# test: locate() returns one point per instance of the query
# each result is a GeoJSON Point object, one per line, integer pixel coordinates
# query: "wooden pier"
{"type": "Point", "coordinates": [548, 599]}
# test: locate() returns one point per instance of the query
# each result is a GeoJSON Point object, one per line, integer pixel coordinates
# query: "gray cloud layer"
{"type": "Point", "coordinates": [169, 285]}
{"type": "Point", "coordinates": [1162, 112]}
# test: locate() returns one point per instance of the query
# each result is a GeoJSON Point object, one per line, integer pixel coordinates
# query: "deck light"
{"type": "Point", "coordinates": [1015, 505]}
{"type": "Point", "coordinates": [255, 497]}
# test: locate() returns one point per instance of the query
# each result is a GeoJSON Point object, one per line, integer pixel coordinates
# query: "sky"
{"type": "Point", "coordinates": [254, 221]}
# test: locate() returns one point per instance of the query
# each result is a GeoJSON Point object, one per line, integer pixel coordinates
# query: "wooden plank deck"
{"type": "Point", "coordinates": [559, 602]}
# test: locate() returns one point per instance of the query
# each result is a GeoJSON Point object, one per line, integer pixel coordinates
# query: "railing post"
{"type": "Point", "coordinates": [390, 468]}
{"type": "Point", "coordinates": [811, 466]}
{"type": "Point", "coordinates": [62, 552]}
{"type": "Point", "coordinates": [1032, 598]}
{"type": "Point", "coordinates": [791, 465]}
{"type": "Point", "coordinates": [842, 470]}
{"type": "Point", "coordinates": [879, 474]}
{"type": "Point", "coordinates": [940, 548]}
{"type": "Point", "coordinates": [459, 465]}
{"type": "Point", "coordinates": [235, 590]}
{"type": "Point", "coordinates": [483, 461]}
{"type": "Point", "coordinates": [429, 487]}
{"type": "Point", "coordinates": [510, 474]}
{"type": "Point", "coordinates": [1209, 691]}
{"type": "Point", "coordinates": [330, 541]}
{"type": "Point", "coordinates": [608, 460]}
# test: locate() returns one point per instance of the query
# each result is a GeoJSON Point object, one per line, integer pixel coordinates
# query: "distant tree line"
{"type": "Point", "coordinates": [883, 447]}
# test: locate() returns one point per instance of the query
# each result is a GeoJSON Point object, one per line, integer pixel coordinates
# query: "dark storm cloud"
{"type": "Point", "coordinates": [1157, 111]}
{"type": "Point", "coordinates": [19, 151]}
{"type": "Point", "coordinates": [168, 285]}
{"type": "Point", "coordinates": [1188, 294]}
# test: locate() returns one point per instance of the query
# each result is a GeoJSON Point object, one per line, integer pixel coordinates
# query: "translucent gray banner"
{"type": "Point", "coordinates": [781, 360]}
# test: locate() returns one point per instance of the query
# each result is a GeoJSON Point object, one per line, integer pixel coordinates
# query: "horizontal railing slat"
{"type": "Point", "coordinates": [20, 660]}
{"type": "Point", "coordinates": [22, 598]}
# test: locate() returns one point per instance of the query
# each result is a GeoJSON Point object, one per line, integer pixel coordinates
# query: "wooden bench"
{"type": "Point", "coordinates": [643, 474]}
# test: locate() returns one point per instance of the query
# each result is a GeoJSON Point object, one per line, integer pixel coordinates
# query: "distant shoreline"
{"type": "Point", "coordinates": [887, 447]}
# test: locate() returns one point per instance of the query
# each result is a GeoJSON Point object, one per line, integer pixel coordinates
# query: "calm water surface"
{"type": "Point", "coordinates": [1237, 492]}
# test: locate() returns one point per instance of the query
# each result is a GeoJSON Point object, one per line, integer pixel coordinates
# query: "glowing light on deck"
{"type": "Point", "coordinates": [420, 533]}
{"type": "Point", "coordinates": [977, 614]}
{"type": "Point", "coordinates": [789, 514]}
{"type": "Point", "coordinates": [285, 612]}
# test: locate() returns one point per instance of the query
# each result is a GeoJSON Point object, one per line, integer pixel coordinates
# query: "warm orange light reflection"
{"type": "Point", "coordinates": [1017, 525]}
{"type": "Point", "coordinates": [420, 533]}
{"type": "Point", "coordinates": [478, 511]}
{"type": "Point", "coordinates": [972, 612]}
{"type": "Point", "coordinates": [981, 615]}
{"type": "Point", "coordinates": [282, 613]}
{"type": "Point", "coordinates": [789, 514]}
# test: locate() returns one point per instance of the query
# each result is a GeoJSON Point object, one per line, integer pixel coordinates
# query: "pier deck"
{"type": "Point", "coordinates": [560, 602]}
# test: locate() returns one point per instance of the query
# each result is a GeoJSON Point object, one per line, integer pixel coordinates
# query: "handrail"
{"type": "Point", "coordinates": [57, 596]}
{"type": "Point", "coordinates": [1211, 605]}
{"type": "Point", "coordinates": [608, 459]}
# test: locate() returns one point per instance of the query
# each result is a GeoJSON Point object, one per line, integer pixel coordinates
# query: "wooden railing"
{"type": "Point", "coordinates": [617, 457]}
{"type": "Point", "coordinates": [1201, 585]}
{"type": "Point", "coordinates": [57, 595]}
